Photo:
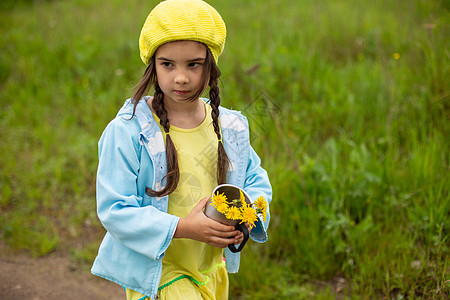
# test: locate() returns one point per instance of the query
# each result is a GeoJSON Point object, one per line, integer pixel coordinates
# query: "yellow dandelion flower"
{"type": "Point", "coordinates": [261, 207]}
{"type": "Point", "coordinates": [248, 215]}
{"type": "Point", "coordinates": [396, 55]}
{"type": "Point", "coordinates": [261, 203]}
{"type": "Point", "coordinates": [264, 213]}
{"type": "Point", "coordinates": [219, 201]}
{"type": "Point", "coordinates": [222, 207]}
{"type": "Point", "coordinates": [242, 197]}
{"type": "Point", "coordinates": [233, 213]}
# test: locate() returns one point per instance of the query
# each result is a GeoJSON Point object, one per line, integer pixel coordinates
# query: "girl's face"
{"type": "Point", "coordinates": [179, 69]}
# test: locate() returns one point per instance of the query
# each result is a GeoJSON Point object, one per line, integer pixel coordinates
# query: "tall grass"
{"type": "Point", "coordinates": [349, 109]}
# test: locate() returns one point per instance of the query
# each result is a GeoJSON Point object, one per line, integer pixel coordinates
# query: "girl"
{"type": "Point", "coordinates": [162, 156]}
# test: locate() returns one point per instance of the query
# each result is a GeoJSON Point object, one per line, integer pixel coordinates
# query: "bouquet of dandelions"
{"type": "Point", "coordinates": [231, 205]}
{"type": "Point", "coordinates": [239, 209]}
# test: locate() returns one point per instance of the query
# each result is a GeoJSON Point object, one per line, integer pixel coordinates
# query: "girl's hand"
{"type": "Point", "coordinates": [197, 226]}
{"type": "Point", "coordinates": [240, 236]}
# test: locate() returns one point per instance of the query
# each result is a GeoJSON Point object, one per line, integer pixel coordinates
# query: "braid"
{"type": "Point", "coordinates": [215, 102]}
{"type": "Point", "coordinates": [158, 107]}
{"type": "Point", "coordinates": [173, 171]}
{"type": "Point", "coordinates": [223, 161]}
{"type": "Point", "coordinates": [143, 86]}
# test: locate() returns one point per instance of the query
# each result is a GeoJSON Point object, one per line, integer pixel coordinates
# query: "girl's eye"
{"type": "Point", "coordinates": [167, 64]}
{"type": "Point", "coordinates": [194, 65]}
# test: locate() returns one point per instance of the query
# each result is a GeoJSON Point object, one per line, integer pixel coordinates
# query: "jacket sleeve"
{"type": "Point", "coordinates": [143, 229]}
{"type": "Point", "coordinates": [257, 184]}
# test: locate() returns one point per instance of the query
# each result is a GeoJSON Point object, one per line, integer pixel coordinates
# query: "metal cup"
{"type": "Point", "coordinates": [232, 192]}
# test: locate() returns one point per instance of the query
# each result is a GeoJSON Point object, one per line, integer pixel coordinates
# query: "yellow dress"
{"type": "Point", "coordinates": [192, 269]}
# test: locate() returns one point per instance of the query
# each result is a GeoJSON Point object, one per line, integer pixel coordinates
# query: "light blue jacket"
{"type": "Point", "coordinates": [139, 229]}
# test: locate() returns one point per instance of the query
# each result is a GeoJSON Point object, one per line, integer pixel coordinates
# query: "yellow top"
{"type": "Point", "coordinates": [185, 258]}
{"type": "Point", "coordinates": [197, 160]}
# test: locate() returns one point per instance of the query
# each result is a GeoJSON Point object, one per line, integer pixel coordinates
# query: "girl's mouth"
{"type": "Point", "coordinates": [181, 92]}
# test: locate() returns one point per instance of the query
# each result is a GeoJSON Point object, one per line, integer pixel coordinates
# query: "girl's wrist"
{"type": "Point", "coordinates": [180, 231]}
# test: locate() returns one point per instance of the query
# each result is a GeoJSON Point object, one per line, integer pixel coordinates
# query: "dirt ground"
{"type": "Point", "coordinates": [52, 277]}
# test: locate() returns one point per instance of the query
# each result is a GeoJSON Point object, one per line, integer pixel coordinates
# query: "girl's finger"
{"type": "Point", "coordinates": [248, 227]}
{"type": "Point", "coordinates": [220, 227]}
{"type": "Point", "coordinates": [224, 234]}
{"type": "Point", "coordinates": [239, 239]}
{"type": "Point", "coordinates": [220, 243]}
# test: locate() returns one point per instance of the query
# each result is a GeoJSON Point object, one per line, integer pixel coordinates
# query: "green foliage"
{"type": "Point", "coordinates": [348, 103]}
{"type": "Point", "coordinates": [29, 231]}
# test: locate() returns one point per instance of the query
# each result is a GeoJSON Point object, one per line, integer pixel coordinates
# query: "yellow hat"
{"type": "Point", "coordinates": [175, 20]}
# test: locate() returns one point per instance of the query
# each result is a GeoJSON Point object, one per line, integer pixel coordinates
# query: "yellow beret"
{"type": "Point", "coordinates": [175, 20]}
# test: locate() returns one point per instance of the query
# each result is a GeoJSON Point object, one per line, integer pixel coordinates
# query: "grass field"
{"type": "Point", "coordinates": [349, 104]}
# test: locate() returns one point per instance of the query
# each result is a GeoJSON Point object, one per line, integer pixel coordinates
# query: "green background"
{"type": "Point", "coordinates": [349, 108]}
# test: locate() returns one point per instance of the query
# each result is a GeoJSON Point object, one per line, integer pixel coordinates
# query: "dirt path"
{"type": "Point", "coordinates": [50, 278]}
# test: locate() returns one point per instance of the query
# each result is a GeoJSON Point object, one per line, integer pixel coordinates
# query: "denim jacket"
{"type": "Point", "coordinates": [132, 157]}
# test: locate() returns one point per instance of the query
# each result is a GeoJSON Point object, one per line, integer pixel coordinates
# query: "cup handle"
{"type": "Point", "coordinates": [243, 228]}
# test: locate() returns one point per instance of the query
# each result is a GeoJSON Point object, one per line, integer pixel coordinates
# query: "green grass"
{"type": "Point", "coordinates": [349, 109]}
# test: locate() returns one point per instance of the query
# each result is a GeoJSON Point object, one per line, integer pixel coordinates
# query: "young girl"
{"type": "Point", "coordinates": [162, 156]}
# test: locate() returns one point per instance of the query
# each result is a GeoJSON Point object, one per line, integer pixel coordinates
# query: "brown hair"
{"type": "Point", "coordinates": [211, 74]}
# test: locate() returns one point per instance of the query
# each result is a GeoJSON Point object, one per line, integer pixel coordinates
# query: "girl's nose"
{"type": "Point", "coordinates": [181, 78]}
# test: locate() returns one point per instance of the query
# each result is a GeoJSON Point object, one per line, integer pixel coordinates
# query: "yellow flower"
{"type": "Point", "coordinates": [248, 215]}
{"type": "Point", "coordinates": [222, 208]}
{"type": "Point", "coordinates": [242, 197]}
{"type": "Point", "coordinates": [261, 205]}
{"type": "Point", "coordinates": [264, 213]}
{"type": "Point", "coordinates": [219, 201]}
{"type": "Point", "coordinates": [233, 213]}
{"type": "Point", "coordinates": [396, 55]}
